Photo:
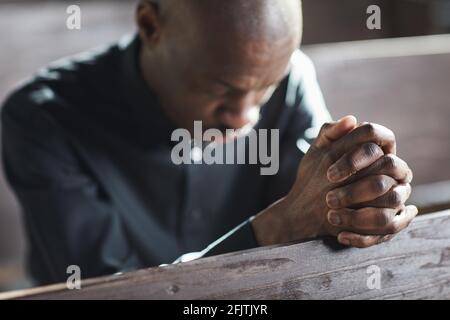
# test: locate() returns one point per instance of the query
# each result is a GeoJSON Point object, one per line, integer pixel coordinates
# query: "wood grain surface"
{"type": "Point", "coordinates": [414, 265]}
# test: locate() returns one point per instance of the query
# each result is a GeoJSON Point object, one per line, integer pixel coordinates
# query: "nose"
{"type": "Point", "coordinates": [235, 111]}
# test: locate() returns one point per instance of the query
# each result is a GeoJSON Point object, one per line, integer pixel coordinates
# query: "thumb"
{"type": "Point", "coordinates": [334, 130]}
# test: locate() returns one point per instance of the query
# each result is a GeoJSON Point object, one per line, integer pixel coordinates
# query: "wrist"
{"type": "Point", "coordinates": [286, 220]}
{"type": "Point", "coordinates": [270, 226]}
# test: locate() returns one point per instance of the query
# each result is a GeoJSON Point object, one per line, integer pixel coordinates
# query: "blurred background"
{"type": "Point", "coordinates": [398, 76]}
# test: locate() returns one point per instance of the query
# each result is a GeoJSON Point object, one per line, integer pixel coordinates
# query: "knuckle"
{"type": "Point", "coordinates": [371, 149]}
{"type": "Point", "coordinates": [394, 198]}
{"type": "Point", "coordinates": [346, 195]}
{"type": "Point", "coordinates": [370, 129]}
{"type": "Point", "coordinates": [351, 163]}
{"type": "Point", "coordinates": [378, 184]}
{"type": "Point", "coordinates": [383, 218]}
{"type": "Point", "coordinates": [325, 127]}
{"type": "Point", "coordinates": [390, 162]}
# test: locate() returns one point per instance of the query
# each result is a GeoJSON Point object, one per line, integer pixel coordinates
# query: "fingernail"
{"type": "Point", "coordinates": [345, 241]}
{"type": "Point", "coordinates": [334, 174]}
{"type": "Point", "coordinates": [344, 117]}
{"type": "Point", "coordinates": [332, 200]}
{"type": "Point", "coordinates": [334, 218]}
{"type": "Point", "coordinates": [349, 117]}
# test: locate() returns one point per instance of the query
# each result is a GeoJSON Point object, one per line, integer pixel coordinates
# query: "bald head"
{"type": "Point", "coordinates": [250, 19]}
{"type": "Point", "coordinates": [254, 19]}
{"type": "Point", "coordinates": [223, 54]}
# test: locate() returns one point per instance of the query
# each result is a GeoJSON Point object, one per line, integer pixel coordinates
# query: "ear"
{"type": "Point", "coordinates": [149, 21]}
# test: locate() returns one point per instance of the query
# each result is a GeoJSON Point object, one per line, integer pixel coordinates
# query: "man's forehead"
{"type": "Point", "coordinates": [240, 76]}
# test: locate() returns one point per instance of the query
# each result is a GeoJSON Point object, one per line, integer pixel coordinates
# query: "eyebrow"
{"type": "Point", "coordinates": [234, 88]}
{"type": "Point", "coordinates": [228, 85]}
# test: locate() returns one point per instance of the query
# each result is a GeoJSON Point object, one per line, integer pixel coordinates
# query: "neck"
{"type": "Point", "coordinates": [153, 74]}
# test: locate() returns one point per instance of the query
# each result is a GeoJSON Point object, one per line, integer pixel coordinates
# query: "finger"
{"type": "Point", "coordinates": [350, 163]}
{"type": "Point", "coordinates": [367, 221]}
{"type": "Point", "coordinates": [364, 190]}
{"type": "Point", "coordinates": [332, 131]}
{"type": "Point", "coordinates": [389, 165]}
{"type": "Point", "coordinates": [372, 221]}
{"type": "Point", "coordinates": [369, 132]}
{"type": "Point", "coordinates": [394, 198]}
{"type": "Point", "coordinates": [361, 241]}
{"type": "Point", "coordinates": [364, 221]}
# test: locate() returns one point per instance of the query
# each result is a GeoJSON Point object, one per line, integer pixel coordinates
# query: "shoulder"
{"type": "Point", "coordinates": [303, 90]}
{"type": "Point", "coordinates": [68, 82]}
{"type": "Point", "coordinates": [34, 115]}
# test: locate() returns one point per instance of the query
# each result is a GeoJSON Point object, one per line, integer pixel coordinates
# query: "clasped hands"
{"type": "Point", "coordinates": [350, 184]}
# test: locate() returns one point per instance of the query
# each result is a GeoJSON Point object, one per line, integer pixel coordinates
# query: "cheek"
{"type": "Point", "coordinates": [193, 102]}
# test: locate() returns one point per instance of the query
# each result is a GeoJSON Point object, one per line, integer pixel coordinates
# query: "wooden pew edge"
{"type": "Point", "coordinates": [61, 287]}
{"type": "Point", "coordinates": [432, 197]}
{"type": "Point", "coordinates": [379, 48]}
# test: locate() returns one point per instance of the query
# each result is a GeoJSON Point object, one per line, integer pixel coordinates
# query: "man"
{"type": "Point", "coordinates": [87, 146]}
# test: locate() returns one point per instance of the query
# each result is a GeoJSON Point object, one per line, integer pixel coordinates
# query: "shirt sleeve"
{"type": "Point", "coordinates": [68, 218]}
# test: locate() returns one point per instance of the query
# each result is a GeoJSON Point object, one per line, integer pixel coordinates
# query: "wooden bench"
{"type": "Point", "coordinates": [414, 265]}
